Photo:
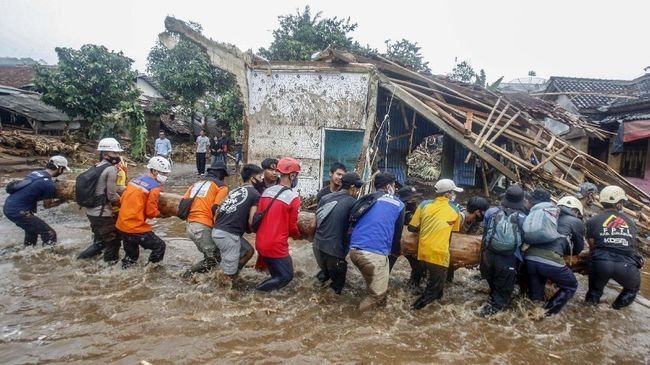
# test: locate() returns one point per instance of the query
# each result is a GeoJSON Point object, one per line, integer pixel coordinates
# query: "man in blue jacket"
{"type": "Point", "coordinates": [375, 236]}
{"type": "Point", "coordinates": [20, 206]}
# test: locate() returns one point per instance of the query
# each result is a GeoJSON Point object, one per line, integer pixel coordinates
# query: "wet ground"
{"type": "Point", "coordinates": [56, 309]}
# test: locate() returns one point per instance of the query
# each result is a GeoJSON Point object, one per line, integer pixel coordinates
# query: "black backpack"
{"type": "Point", "coordinates": [86, 184]}
{"type": "Point", "coordinates": [362, 206]}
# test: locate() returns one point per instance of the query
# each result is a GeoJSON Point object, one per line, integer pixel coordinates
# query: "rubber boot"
{"type": "Point", "coordinates": [204, 265]}
{"type": "Point", "coordinates": [489, 310]}
{"type": "Point", "coordinates": [557, 302]}
{"type": "Point", "coordinates": [91, 251]}
{"type": "Point", "coordinates": [592, 298]}
{"type": "Point", "coordinates": [624, 299]}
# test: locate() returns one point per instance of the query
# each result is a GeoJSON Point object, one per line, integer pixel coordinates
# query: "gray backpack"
{"type": "Point", "coordinates": [540, 226]}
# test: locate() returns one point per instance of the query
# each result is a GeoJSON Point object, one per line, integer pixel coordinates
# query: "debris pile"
{"type": "Point", "coordinates": [15, 143]}
{"type": "Point", "coordinates": [425, 160]}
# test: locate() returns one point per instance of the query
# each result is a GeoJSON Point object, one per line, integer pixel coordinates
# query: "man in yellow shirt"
{"type": "Point", "coordinates": [434, 220]}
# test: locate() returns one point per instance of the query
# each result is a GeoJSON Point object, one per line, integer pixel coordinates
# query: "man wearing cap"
{"type": "Point", "coordinates": [612, 236]}
{"type": "Point", "coordinates": [208, 195]}
{"type": "Point", "coordinates": [588, 194]}
{"type": "Point", "coordinates": [20, 206]}
{"type": "Point", "coordinates": [546, 261]}
{"type": "Point", "coordinates": [434, 220]}
{"type": "Point", "coordinates": [499, 268]}
{"type": "Point", "coordinates": [375, 236]}
{"type": "Point", "coordinates": [101, 217]}
{"type": "Point", "coordinates": [331, 244]}
{"type": "Point", "coordinates": [281, 206]}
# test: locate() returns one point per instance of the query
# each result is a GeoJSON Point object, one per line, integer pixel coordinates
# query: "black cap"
{"type": "Point", "coordinates": [383, 179]}
{"type": "Point", "coordinates": [218, 165]}
{"type": "Point", "coordinates": [351, 178]}
{"type": "Point", "coordinates": [513, 198]}
{"type": "Point", "coordinates": [540, 195]}
{"type": "Point", "coordinates": [407, 193]}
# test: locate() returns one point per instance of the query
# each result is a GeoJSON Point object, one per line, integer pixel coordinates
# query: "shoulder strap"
{"type": "Point", "coordinates": [275, 198]}
{"type": "Point", "coordinates": [197, 193]}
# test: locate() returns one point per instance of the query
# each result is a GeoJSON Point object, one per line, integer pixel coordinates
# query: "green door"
{"type": "Point", "coordinates": [342, 146]}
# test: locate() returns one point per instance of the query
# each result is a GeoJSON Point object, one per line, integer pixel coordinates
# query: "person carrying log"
{"type": "Point", "coordinates": [207, 195]}
{"type": "Point", "coordinates": [331, 243]}
{"type": "Point", "coordinates": [375, 236]}
{"type": "Point", "coordinates": [96, 191]}
{"type": "Point", "coordinates": [588, 195]}
{"type": "Point", "coordinates": [411, 199]}
{"type": "Point", "coordinates": [612, 237]}
{"type": "Point", "coordinates": [20, 207]}
{"type": "Point", "coordinates": [501, 249]}
{"type": "Point", "coordinates": [545, 260]}
{"type": "Point", "coordinates": [138, 203]}
{"type": "Point", "coordinates": [233, 219]}
{"type": "Point", "coordinates": [278, 207]}
{"type": "Point", "coordinates": [435, 220]}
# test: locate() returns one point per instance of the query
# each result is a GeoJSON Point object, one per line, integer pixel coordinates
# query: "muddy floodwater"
{"type": "Point", "coordinates": [58, 310]}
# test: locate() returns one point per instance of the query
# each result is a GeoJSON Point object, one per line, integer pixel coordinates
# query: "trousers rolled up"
{"type": "Point", "coordinates": [375, 271]}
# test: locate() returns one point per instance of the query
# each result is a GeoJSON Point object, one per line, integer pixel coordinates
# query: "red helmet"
{"type": "Point", "coordinates": [288, 165]}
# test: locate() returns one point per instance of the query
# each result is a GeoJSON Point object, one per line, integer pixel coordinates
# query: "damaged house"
{"type": "Point", "coordinates": [620, 107]}
{"type": "Point", "coordinates": [372, 114]}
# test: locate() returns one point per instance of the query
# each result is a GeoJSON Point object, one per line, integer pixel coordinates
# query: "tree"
{"type": "Point", "coordinates": [87, 83]}
{"type": "Point", "coordinates": [406, 53]}
{"type": "Point", "coordinates": [301, 35]}
{"type": "Point", "coordinates": [185, 75]}
{"type": "Point", "coordinates": [97, 85]}
{"type": "Point", "coordinates": [532, 73]}
{"type": "Point", "coordinates": [463, 72]}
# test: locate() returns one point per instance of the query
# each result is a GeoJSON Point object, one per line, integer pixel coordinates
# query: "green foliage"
{"type": "Point", "coordinates": [464, 72]}
{"type": "Point", "coordinates": [87, 83]}
{"type": "Point", "coordinates": [186, 76]}
{"type": "Point", "coordinates": [98, 86]}
{"type": "Point", "coordinates": [407, 53]}
{"type": "Point", "coordinates": [301, 35]}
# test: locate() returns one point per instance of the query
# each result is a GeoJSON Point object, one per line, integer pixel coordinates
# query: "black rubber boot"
{"type": "Point", "coordinates": [204, 265]}
{"type": "Point", "coordinates": [489, 310]}
{"type": "Point", "coordinates": [557, 302]}
{"type": "Point", "coordinates": [624, 299]}
{"type": "Point", "coordinates": [592, 298]}
{"type": "Point", "coordinates": [91, 251]}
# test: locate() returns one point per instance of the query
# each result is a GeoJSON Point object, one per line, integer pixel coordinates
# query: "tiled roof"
{"type": "Point", "coordinates": [16, 76]}
{"type": "Point", "coordinates": [591, 93]}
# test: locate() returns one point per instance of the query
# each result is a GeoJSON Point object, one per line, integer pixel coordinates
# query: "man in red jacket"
{"type": "Point", "coordinates": [280, 222]}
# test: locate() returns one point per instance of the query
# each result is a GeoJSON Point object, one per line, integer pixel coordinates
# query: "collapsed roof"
{"type": "Point", "coordinates": [479, 119]}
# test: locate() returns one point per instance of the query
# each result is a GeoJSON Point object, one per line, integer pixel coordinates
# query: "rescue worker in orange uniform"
{"type": "Point", "coordinates": [208, 195]}
{"type": "Point", "coordinates": [138, 203]}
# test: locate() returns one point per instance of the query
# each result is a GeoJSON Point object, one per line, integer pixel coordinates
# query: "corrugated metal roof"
{"type": "Point", "coordinates": [31, 106]}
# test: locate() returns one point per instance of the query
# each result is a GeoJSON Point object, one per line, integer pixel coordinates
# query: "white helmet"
{"type": "Point", "coordinates": [571, 202]}
{"type": "Point", "coordinates": [612, 194]}
{"type": "Point", "coordinates": [159, 164]}
{"type": "Point", "coordinates": [109, 145]}
{"type": "Point", "coordinates": [59, 161]}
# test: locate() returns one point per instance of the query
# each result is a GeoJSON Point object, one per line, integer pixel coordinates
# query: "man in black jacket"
{"type": "Point", "coordinates": [612, 236]}
{"type": "Point", "coordinates": [546, 261]}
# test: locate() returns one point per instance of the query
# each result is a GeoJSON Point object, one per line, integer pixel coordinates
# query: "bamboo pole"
{"type": "Point", "coordinates": [487, 121]}
{"type": "Point", "coordinates": [549, 158]}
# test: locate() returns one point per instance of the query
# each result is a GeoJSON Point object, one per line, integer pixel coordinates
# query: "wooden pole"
{"type": "Point", "coordinates": [549, 158]}
{"type": "Point", "coordinates": [487, 121]}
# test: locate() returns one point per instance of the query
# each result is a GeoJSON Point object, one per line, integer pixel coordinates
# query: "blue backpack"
{"type": "Point", "coordinates": [503, 234]}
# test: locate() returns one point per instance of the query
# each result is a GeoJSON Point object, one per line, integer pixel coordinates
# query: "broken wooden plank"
{"type": "Point", "coordinates": [431, 116]}
{"type": "Point", "coordinates": [549, 158]}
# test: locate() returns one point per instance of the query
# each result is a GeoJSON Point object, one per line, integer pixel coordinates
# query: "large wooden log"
{"type": "Point", "coordinates": [464, 249]}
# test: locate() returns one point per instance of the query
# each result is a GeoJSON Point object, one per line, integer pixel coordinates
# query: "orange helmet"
{"type": "Point", "coordinates": [288, 165]}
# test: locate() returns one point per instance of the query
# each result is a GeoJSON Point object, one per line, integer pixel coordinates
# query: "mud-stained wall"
{"type": "Point", "coordinates": [289, 109]}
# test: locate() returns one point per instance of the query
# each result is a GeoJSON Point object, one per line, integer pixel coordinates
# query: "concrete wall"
{"type": "Point", "coordinates": [147, 89]}
{"type": "Point", "coordinates": [288, 110]}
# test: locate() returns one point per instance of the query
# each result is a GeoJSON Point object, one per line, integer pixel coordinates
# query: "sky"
{"type": "Point", "coordinates": [597, 39]}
